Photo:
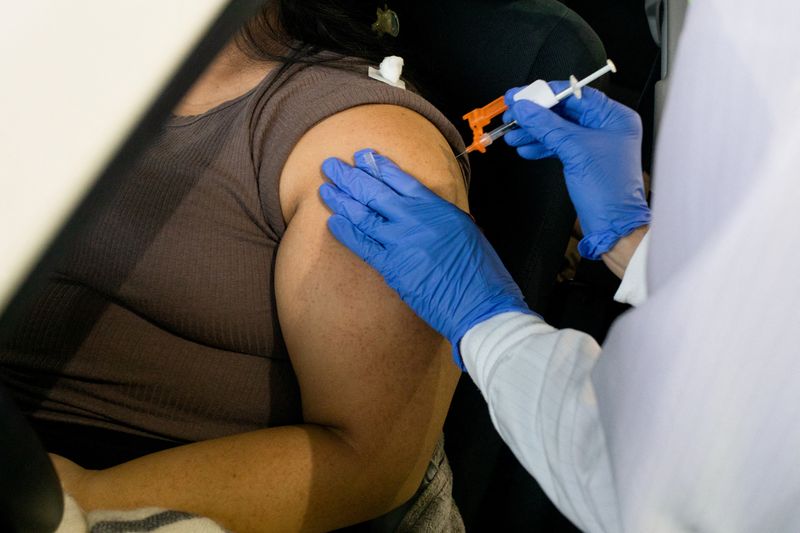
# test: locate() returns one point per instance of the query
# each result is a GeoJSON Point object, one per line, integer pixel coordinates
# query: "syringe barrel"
{"type": "Point", "coordinates": [499, 132]}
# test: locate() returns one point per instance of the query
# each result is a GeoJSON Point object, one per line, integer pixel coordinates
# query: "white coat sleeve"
{"type": "Point", "coordinates": [536, 381]}
{"type": "Point", "coordinates": [633, 289]}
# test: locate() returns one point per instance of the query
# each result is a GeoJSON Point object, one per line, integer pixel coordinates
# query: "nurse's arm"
{"type": "Point", "coordinates": [617, 258]}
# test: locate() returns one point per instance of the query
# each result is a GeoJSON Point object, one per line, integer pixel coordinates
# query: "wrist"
{"type": "Point", "coordinates": [512, 306]}
{"type": "Point", "coordinates": [618, 257]}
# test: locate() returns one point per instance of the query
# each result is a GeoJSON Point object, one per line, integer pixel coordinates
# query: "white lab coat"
{"type": "Point", "coordinates": [689, 418]}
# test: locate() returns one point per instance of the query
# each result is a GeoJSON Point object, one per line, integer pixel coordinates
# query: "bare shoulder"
{"type": "Point", "coordinates": [399, 133]}
{"type": "Point", "coordinates": [366, 365]}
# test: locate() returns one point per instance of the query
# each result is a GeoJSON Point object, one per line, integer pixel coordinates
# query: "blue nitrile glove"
{"type": "Point", "coordinates": [427, 249]}
{"type": "Point", "coordinates": [599, 143]}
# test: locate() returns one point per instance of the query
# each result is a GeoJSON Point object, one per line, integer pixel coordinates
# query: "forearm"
{"type": "Point", "coordinates": [279, 479]}
{"type": "Point", "coordinates": [619, 256]}
{"type": "Point", "coordinates": [537, 382]}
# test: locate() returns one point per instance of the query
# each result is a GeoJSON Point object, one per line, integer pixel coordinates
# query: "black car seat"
{"type": "Point", "coordinates": [31, 500]}
{"type": "Point", "coordinates": [464, 54]}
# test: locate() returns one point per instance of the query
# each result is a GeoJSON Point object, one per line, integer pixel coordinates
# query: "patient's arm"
{"type": "Point", "coordinates": [375, 380]}
{"type": "Point", "coordinates": [368, 368]}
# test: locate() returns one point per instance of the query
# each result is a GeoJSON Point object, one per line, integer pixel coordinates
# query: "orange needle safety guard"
{"type": "Point", "coordinates": [478, 118]}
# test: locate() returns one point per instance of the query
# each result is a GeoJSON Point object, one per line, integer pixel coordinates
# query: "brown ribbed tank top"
{"type": "Point", "coordinates": [161, 321]}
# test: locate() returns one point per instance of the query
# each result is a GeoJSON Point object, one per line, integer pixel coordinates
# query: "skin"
{"type": "Point", "coordinates": [617, 258]}
{"type": "Point", "coordinates": [375, 381]}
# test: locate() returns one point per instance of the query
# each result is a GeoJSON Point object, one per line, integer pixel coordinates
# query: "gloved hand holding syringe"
{"type": "Point", "coordinates": [388, 218]}
{"type": "Point", "coordinates": [538, 92]}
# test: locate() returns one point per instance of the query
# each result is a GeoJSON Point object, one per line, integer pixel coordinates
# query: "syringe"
{"type": "Point", "coordinates": [539, 92]}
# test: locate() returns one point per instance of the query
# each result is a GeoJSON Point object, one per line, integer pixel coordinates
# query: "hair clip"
{"type": "Point", "coordinates": [387, 22]}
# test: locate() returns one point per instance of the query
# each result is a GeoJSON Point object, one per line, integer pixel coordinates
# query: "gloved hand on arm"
{"type": "Point", "coordinates": [599, 143]}
{"type": "Point", "coordinates": [427, 249]}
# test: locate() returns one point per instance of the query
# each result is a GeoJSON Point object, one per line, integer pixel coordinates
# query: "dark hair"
{"type": "Point", "coordinates": [292, 31]}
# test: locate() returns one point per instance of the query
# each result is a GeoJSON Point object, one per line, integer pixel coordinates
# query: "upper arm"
{"type": "Point", "coordinates": [366, 365]}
